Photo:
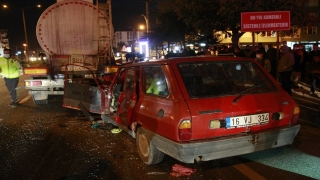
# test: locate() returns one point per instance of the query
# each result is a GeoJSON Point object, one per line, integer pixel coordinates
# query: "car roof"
{"type": "Point", "coordinates": [186, 59]}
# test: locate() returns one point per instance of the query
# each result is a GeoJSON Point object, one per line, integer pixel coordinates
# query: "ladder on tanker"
{"type": "Point", "coordinates": [104, 30]}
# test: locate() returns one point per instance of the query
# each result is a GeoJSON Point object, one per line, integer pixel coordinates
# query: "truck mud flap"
{"type": "Point", "coordinates": [88, 96]}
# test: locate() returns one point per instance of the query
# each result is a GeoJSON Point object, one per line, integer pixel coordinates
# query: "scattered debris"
{"type": "Point", "coordinates": [102, 125]}
{"type": "Point", "coordinates": [95, 126]}
{"type": "Point", "coordinates": [116, 130]}
{"type": "Point", "coordinates": [179, 170]}
{"type": "Point", "coordinates": [155, 173]}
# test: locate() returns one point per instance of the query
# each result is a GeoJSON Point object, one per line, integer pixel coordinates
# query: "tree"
{"type": "Point", "coordinates": [203, 16]}
{"type": "Point", "coordinates": [176, 24]}
{"type": "Point", "coordinates": [169, 25]}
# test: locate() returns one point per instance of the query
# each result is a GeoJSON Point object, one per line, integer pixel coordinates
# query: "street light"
{"type": "Point", "coordinates": [141, 27]}
{"type": "Point", "coordinates": [146, 44]}
{"type": "Point", "coordinates": [25, 50]}
{"type": "Point", "coordinates": [147, 22]}
{"type": "Point", "coordinates": [24, 24]}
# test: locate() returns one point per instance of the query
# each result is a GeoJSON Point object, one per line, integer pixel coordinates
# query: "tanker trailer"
{"type": "Point", "coordinates": [70, 32]}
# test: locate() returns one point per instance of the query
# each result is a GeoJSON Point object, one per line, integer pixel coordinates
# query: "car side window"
{"type": "Point", "coordinates": [154, 81]}
{"type": "Point", "coordinates": [129, 80]}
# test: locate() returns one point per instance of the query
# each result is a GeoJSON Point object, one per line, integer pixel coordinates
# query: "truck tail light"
{"type": "Point", "coordinates": [111, 69]}
{"type": "Point", "coordinates": [36, 71]}
{"type": "Point", "coordinates": [295, 113]}
{"type": "Point", "coordinates": [33, 83]}
{"type": "Point", "coordinates": [185, 130]}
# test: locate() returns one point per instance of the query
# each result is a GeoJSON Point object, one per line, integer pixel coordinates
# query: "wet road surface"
{"type": "Point", "coordinates": [51, 142]}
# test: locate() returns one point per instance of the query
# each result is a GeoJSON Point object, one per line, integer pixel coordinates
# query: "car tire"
{"type": "Point", "coordinates": [148, 152]}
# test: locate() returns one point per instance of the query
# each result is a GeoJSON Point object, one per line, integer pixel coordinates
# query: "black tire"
{"type": "Point", "coordinates": [148, 152]}
{"type": "Point", "coordinates": [40, 102]}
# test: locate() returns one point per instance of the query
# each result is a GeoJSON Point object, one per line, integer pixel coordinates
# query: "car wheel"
{"type": "Point", "coordinates": [148, 152]}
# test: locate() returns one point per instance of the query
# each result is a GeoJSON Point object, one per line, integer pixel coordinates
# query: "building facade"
{"type": "Point", "coordinates": [4, 41]}
{"type": "Point", "coordinates": [128, 41]}
{"type": "Point", "coordinates": [306, 35]}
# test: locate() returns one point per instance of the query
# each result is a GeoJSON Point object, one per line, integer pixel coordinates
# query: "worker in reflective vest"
{"type": "Point", "coordinates": [10, 71]}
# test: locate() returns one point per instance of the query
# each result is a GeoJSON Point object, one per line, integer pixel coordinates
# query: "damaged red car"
{"type": "Point", "coordinates": [191, 108]}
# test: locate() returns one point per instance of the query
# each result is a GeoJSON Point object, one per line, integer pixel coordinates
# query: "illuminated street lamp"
{"type": "Point", "coordinates": [25, 50]}
{"type": "Point", "coordinates": [24, 24]}
{"type": "Point", "coordinates": [141, 27]}
{"type": "Point", "coordinates": [146, 44]}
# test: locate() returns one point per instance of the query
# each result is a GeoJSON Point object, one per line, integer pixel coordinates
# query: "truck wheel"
{"type": "Point", "coordinates": [148, 152]}
{"type": "Point", "coordinates": [39, 102]}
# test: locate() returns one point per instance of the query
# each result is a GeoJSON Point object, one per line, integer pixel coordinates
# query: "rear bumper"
{"type": "Point", "coordinates": [226, 146]}
{"type": "Point", "coordinates": [46, 92]}
{"type": "Point", "coordinates": [47, 87]}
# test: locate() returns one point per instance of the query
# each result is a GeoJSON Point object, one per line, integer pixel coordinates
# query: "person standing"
{"type": "Point", "coordinates": [261, 47]}
{"type": "Point", "coordinates": [263, 61]}
{"type": "Point", "coordinates": [285, 68]}
{"type": "Point", "coordinates": [248, 51]}
{"type": "Point", "coordinates": [272, 56]}
{"type": "Point", "coordinates": [304, 62]}
{"type": "Point", "coordinates": [315, 73]}
{"type": "Point", "coordinates": [238, 52]}
{"type": "Point", "coordinates": [10, 71]}
{"type": "Point", "coordinates": [314, 52]}
{"type": "Point", "coordinates": [312, 55]}
{"type": "Point", "coordinates": [296, 71]}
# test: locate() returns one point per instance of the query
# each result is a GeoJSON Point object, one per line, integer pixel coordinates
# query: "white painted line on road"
{"type": "Point", "coordinates": [25, 99]}
{"type": "Point", "coordinates": [308, 122]}
{"type": "Point", "coordinates": [248, 172]}
{"type": "Point", "coordinates": [306, 100]}
{"type": "Point", "coordinates": [309, 108]}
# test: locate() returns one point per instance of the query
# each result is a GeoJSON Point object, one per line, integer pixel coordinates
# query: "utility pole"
{"type": "Point", "coordinates": [146, 18]}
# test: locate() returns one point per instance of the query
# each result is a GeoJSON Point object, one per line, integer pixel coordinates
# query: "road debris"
{"type": "Point", "coordinates": [116, 130]}
{"type": "Point", "coordinates": [179, 170]}
{"type": "Point", "coordinates": [155, 173]}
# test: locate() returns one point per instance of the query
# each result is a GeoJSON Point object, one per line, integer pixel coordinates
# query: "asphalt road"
{"type": "Point", "coordinates": [51, 142]}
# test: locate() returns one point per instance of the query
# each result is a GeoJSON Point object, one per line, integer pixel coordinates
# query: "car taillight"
{"type": "Point", "coordinates": [36, 71]}
{"type": "Point", "coordinates": [33, 83]}
{"type": "Point", "coordinates": [295, 113]}
{"type": "Point", "coordinates": [185, 130]}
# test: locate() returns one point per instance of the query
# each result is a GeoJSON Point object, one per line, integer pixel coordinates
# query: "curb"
{"type": "Point", "coordinates": [307, 87]}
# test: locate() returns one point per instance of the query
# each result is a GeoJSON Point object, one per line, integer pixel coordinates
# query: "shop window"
{"type": "Point", "coordinates": [312, 30]}
{"type": "Point", "coordinates": [268, 33]}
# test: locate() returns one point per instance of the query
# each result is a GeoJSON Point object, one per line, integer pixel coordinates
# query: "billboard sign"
{"type": "Point", "coordinates": [265, 21]}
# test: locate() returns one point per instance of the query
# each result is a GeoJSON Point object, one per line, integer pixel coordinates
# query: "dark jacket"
{"type": "Point", "coordinates": [286, 61]}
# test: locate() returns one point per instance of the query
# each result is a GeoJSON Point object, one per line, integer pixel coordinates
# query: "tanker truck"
{"type": "Point", "coordinates": [70, 32]}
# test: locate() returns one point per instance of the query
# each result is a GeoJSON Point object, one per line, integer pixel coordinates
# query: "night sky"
{"type": "Point", "coordinates": [126, 15]}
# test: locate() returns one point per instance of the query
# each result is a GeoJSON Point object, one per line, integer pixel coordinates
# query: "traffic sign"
{"type": "Point", "coordinates": [265, 21]}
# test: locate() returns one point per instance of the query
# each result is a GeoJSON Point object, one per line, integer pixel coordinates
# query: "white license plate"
{"type": "Point", "coordinates": [250, 120]}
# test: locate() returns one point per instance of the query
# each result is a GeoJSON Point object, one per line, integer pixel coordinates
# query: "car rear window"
{"type": "Point", "coordinates": [224, 78]}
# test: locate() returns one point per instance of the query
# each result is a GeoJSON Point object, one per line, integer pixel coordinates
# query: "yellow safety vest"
{"type": "Point", "coordinates": [9, 68]}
